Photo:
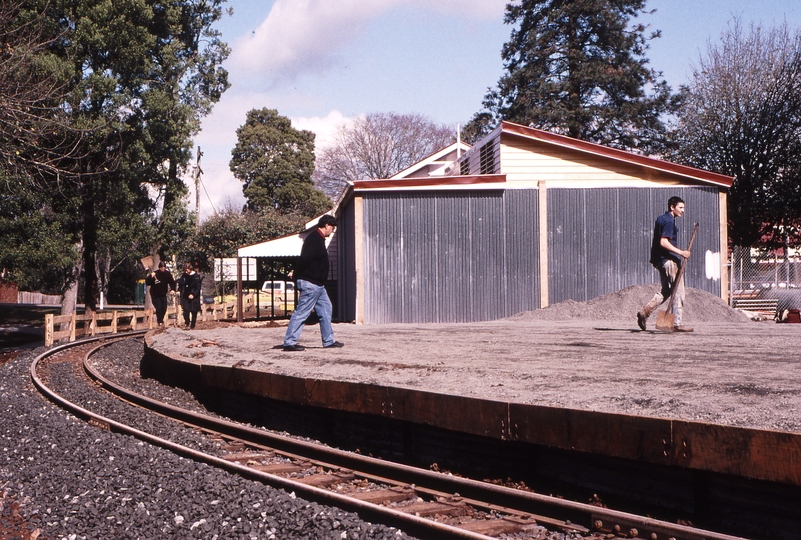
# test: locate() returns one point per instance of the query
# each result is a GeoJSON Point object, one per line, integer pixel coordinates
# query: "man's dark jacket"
{"type": "Point", "coordinates": [313, 262]}
{"type": "Point", "coordinates": [190, 284]}
{"type": "Point", "coordinates": [161, 284]}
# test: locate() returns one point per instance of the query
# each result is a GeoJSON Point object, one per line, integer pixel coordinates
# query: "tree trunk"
{"type": "Point", "coordinates": [103, 273]}
{"type": "Point", "coordinates": [69, 303]}
{"type": "Point", "coordinates": [172, 191]}
{"type": "Point", "coordinates": [91, 291]}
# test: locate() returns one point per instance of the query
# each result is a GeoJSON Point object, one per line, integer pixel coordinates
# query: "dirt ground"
{"type": "Point", "coordinates": [581, 355]}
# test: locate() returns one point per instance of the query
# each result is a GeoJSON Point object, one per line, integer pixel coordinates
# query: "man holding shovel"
{"type": "Point", "coordinates": [665, 256]}
{"type": "Point", "coordinates": [160, 282]}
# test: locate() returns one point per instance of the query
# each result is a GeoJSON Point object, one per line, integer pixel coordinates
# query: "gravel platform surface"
{"type": "Point", "coordinates": [63, 478]}
{"type": "Point", "coordinates": [578, 355]}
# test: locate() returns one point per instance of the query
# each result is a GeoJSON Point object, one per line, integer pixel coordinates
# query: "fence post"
{"type": "Point", "coordinates": [73, 324]}
{"type": "Point", "coordinates": [48, 329]}
{"type": "Point", "coordinates": [732, 275]}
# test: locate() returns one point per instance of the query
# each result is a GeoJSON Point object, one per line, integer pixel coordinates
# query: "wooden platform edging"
{"type": "Point", "coordinates": [742, 452]}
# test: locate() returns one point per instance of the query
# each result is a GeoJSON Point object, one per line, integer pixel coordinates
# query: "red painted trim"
{"type": "Point", "coordinates": [439, 181]}
{"type": "Point", "coordinates": [614, 153]}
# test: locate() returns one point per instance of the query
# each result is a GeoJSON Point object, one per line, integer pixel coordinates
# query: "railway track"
{"type": "Point", "coordinates": [421, 502]}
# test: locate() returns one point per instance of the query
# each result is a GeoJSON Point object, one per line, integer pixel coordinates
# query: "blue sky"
{"type": "Point", "coordinates": [323, 62]}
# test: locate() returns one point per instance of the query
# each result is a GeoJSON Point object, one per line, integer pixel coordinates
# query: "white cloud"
{"type": "Point", "coordinates": [216, 140]}
{"type": "Point", "coordinates": [300, 36]}
{"type": "Point", "coordinates": [323, 127]}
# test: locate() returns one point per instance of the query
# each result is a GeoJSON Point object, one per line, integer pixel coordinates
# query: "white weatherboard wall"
{"type": "Point", "coordinates": [529, 162]}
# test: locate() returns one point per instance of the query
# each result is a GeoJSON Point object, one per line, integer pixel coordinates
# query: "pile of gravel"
{"type": "Point", "coordinates": [623, 305]}
{"type": "Point", "coordinates": [72, 480]}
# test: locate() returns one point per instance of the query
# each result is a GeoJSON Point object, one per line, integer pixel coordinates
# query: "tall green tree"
{"type": "Point", "coordinates": [124, 237]}
{"type": "Point", "coordinates": [578, 68]}
{"type": "Point", "coordinates": [142, 73]}
{"type": "Point", "coordinates": [39, 246]}
{"type": "Point", "coordinates": [37, 138]}
{"type": "Point", "coordinates": [274, 162]}
{"type": "Point", "coordinates": [224, 232]}
{"type": "Point", "coordinates": [39, 221]}
{"type": "Point", "coordinates": [303, 199]}
{"type": "Point", "coordinates": [741, 116]}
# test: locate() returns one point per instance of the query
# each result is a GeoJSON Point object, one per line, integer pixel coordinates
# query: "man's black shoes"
{"type": "Point", "coordinates": [293, 348]}
{"type": "Point", "coordinates": [641, 320]}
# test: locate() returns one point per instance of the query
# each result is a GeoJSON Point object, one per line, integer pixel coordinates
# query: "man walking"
{"type": "Point", "coordinates": [160, 282]}
{"type": "Point", "coordinates": [665, 256]}
{"type": "Point", "coordinates": [311, 273]}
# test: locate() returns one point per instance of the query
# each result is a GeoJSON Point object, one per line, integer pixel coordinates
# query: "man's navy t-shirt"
{"type": "Point", "coordinates": [665, 227]}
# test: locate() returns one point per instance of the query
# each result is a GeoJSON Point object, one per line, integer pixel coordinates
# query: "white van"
{"type": "Point", "coordinates": [280, 289]}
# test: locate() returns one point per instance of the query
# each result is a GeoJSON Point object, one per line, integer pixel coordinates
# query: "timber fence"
{"type": "Point", "coordinates": [72, 327]}
{"type": "Point", "coordinates": [35, 298]}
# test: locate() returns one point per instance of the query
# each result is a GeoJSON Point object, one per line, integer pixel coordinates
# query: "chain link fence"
{"type": "Point", "coordinates": [765, 281]}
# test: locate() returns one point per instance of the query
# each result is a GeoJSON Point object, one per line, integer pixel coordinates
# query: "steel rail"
{"type": "Point", "coordinates": [573, 513]}
{"type": "Point", "coordinates": [411, 524]}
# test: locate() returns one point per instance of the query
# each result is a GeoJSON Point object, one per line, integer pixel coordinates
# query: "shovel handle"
{"type": "Point", "coordinates": [681, 268]}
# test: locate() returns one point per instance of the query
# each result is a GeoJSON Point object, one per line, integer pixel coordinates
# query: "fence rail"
{"type": "Point", "coordinates": [71, 327]}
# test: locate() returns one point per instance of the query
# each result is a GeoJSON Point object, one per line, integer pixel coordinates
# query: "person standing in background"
{"type": "Point", "coordinates": [189, 286]}
{"type": "Point", "coordinates": [161, 283]}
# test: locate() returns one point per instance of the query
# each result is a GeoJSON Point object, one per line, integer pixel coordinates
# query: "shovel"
{"type": "Point", "coordinates": [665, 319]}
{"type": "Point", "coordinates": [148, 262]}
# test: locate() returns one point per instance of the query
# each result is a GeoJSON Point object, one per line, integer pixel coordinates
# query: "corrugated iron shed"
{"type": "Point", "coordinates": [537, 218]}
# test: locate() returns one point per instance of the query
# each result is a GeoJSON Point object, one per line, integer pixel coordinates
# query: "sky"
{"type": "Point", "coordinates": [323, 62]}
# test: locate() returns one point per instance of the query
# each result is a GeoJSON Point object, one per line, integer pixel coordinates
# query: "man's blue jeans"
{"type": "Point", "coordinates": [312, 297]}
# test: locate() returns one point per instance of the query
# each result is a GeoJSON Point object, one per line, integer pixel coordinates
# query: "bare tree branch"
{"type": "Point", "coordinates": [380, 145]}
{"type": "Point", "coordinates": [741, 115]}
{"type": "Point", "coordinates": [36, 137]}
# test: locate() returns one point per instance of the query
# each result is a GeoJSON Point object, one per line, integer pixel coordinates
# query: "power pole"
{"type": "Point", "coordinates": [198, 172]}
